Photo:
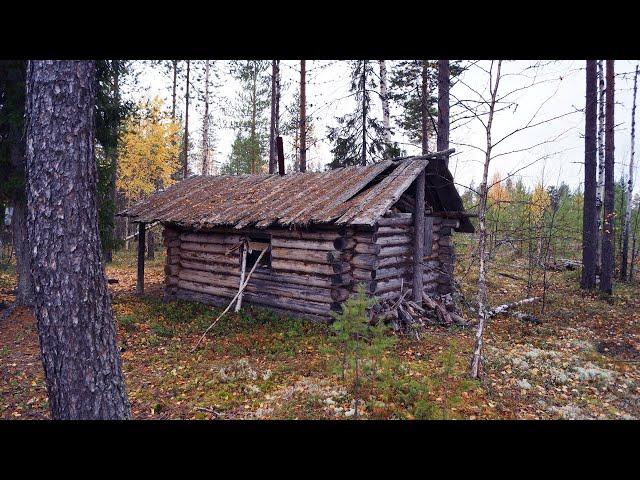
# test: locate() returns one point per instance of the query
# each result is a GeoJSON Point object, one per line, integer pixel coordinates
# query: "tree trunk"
{"type": "Point", "coordinates": [600, 189]}
{"type": "Point", "coordinates": [21, 244]}
{"type": "Point", "coordinates": [363, 92]}
{"type": "Point", "coordinates": [185, 146]}
{"type": "Point", "coordinates": [275, 111]}
{"type": "Point", "coordinates": [476, 361]}
{"type": "Point", "coordinates": [205, 123]}
{"type": "Point", "coordinates": [384, 95]}
{"type": "Point", "coordinates": [73, 307]}
{"type": "Point", "coordinates": [303, 116]}
{"type": "Point", "coordinates": [627, 214]}
{"type": "Point", "coordinates": [444, 73]}
{"type": "Point", "coordinates": [108, 251]}
{"type": "Point", "coordinates": [424, 107]}
{"type": "Point", "coordinates": [589, 225]}
{"type": "Point", "coordinates": [606, 275]}
{"type": "Point", "coordinates": [173, 92]}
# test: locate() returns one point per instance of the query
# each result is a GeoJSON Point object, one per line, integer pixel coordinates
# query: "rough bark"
{"type": "Point", "coordinates": [589, 225]}
{"type": "Point", "coordinates": [206, 169]}
{"type": "Point", "coordinates": [606, 275]}
{"type": "Point", "coordinates": [384, 96]}
{"type": "Point", "coordinates": [363, 94]}
{"type": "Point", "coordinates": [73, 307]}
{"type": "Point", "coordinates": [173, 91]}
{"type": "Point", "coordinates": [444, 73]}
{"type": "Point", "coordinates": [627, 213]}
{"type": "Point", "coordinates": [303, 116]}
{"type": "Point", "coordinates": [424, 107]}
{"type": "Point", "coordinates": [185, 145]}
{"type": "Point", "coordinates": [275, 113]}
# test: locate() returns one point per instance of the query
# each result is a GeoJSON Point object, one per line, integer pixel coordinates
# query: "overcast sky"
{"type": "Point", "coordinates": [557, 90]}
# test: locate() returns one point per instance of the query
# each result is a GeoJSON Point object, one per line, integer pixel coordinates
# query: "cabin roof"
{"type": "Point", "coordinates": [357, 195]}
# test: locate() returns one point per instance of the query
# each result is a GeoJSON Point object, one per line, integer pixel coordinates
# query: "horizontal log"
{"type": "Point", "coordinates": [371, 237]}
{"type": "Point", "coordinates": [368, 248]}
{"type": "Point", "coordinates": [396, 220]}
{"type": "Point", "coordinates": [394, 261]}
{"type": "Point", "coordinates": [303, 244]}
{"type": "Point", "coordinates": [388, 285]}
{"type": "Point", "coordinates": [207, 247]}
{"type": "Point", "coordinates": [359, 274]}
{"type": "Point", "coordinates": [231, 259]}
{"type": "Point", "coordinates": [173, 259]}
{"type": "Point", "coordinates": [394, 251]}
{"type": "Point", "coordinates": [302, 267]}
{"type": "Point", "coordinates": [211, 267]}
{"type": "Point", "coordinates": [316, 256]}
{"type": "Point", "coordinates": [394, 240]}
{"type": "Point", "coordinates": [217, 238]}
{"type": "Point", "coordinates": [365, 261]}
{"type": "Point", "coordinates": [248, 297]}
{"type": "Point", "coordinates": [223, 302]}
{"type": "Point", "coordinates": [173, 251]}
{"type": "Point", "coordinates": [172, 243]}
{"type": "Point", "coordinates": [329, 236]}
{"type": "Point", "coordinates": [387, 231]}
{"type": "Point", "coordinates": [171, 280]}
{"type": "Point", "coordinates": [391, 272]}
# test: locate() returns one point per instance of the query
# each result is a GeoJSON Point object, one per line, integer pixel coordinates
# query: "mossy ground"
{"type": "Point", "coordinates": [257, 364]}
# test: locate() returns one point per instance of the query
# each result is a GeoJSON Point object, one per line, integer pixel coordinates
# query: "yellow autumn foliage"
{"type": "Point", "coordinates": [149, 151]}
{"type": "Point", "coordinates": [540, 202]}
{"type": "Point", "coordinates": [498, 192]}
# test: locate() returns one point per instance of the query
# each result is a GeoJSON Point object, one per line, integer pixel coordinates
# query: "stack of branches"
{"type": "Point", "coordinates": [407, 317]}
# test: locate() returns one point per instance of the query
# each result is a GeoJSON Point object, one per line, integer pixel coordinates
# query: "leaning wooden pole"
{"type": "Point", "coordinates": [141, 250]}
{"type": "Point", "coordinates": [418, 238]}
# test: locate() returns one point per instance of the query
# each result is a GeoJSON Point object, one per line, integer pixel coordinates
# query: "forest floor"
{"type": "Point", "coordinates": [581, 362]}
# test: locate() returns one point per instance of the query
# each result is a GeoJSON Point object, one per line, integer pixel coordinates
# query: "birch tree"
{"type": "Point", "coordinates": [185, 141]}
{"type": "Point", "coordinates": [303, 116]}
{"type": "Point", "coordinates": [75, 322]}
{"type": "Point", "coordinates": [600, 189]}
{"type": "Point", "coordinates": [627, 215]}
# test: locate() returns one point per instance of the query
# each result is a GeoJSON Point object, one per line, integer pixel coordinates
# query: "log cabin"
{"type": "Point", "coordinates": [388, 225]}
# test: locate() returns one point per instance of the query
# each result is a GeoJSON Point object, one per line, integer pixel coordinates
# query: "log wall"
{"type": "Point", "coordinates": [312, 272]}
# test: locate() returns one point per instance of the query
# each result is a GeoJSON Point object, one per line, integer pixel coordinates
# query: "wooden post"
{"type": "Point", "coordinates": [141, 250]}
{"type": "Point", "coordinates": [418, 239]}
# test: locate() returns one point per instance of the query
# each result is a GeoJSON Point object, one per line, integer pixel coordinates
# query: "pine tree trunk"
{"type": "Point", "coordinates": [275, 101]}
{"type": "Point", "coordinates": [424, 107]}
{"type": "Point", "coordinates": [72, 306]}
{"type": "Point", "coordinates": [21, 243]}
{"type": "Point", "coordinates": [606, 275]}
{"type": "Point", "coordinates": [476, 361]}
{"type": "Point", "coordinates": [173, 93]}
{"type": "Point", "coordinates": [108, 251]}
{"type": "Point", "coordinates": [303, 115]}
{"type": "Point", "coordinates": [205, 123]}
{"type": "Point", "coordinates": [589, 225]}
{"type": "Point", "coordinates": [444, 73]}
{"type": "Point", "coordinates": [384, 95]}
{"type": "Point", "coordinates": [600, 189]}
{"type": "Point", "coordinates": [363, 92]}
{"type": "Point", "coordinates": [185, 146]}
{"type": "Point", "coordinates": [627, 214]}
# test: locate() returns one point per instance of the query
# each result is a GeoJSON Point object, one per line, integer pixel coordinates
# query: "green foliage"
{"type": "Point", "coordinates": [12, 105]}
{"type": "Point", "coordinates": [128, 322]}
{"type": "Point", "coordinates": [359, 348]}
{"type": "Point", "coordinates": [349, 145]}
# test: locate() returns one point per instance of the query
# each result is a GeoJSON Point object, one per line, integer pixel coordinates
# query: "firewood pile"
{"type": "Point", "coordinates": [407, 317]}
